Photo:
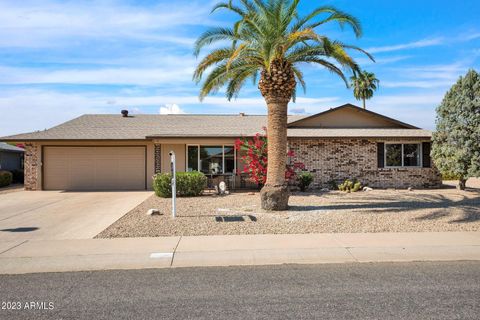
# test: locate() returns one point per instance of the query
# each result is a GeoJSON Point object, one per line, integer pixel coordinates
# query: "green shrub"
{"type": "Point", "coordinates": [6, 178]}
{"type": "Point", "coordinates": [304, 180]}
{"type": "Point", "coordinates": [18, 176]}
{"type": "Point", "coordinates": [450, 176]}
{"type": "Point", "coordinates": [189, 184]}
{"type": "Point", "coordinates": [350, 186]}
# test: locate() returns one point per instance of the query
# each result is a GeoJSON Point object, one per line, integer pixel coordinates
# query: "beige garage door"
{"type": "Point", "coordinates": [94, 168]}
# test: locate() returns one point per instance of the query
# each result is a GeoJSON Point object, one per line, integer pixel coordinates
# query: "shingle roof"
{"type": "Point", "coordinates": [140, 127]}
{"type": "Point", "coordinates": [8, 147]}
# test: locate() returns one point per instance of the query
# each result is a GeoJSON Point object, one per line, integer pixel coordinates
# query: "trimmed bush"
{"type": "Point", "coordinates": [350, 186]}
{"type": "Point", "coordinates": [189, 184]}
{"type": "Point", "coordinates": [18, 176]}
{"type": "Point", "coordinates": [6, 178]}
{"type": "Point", "coordinates": [450, 176]}
{"type": "Point", "coordinates": [305, 178]}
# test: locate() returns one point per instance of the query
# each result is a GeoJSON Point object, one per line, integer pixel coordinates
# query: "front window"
{"type": "Point", "coordinates": [229, 153]}
{"type": "Point", "coordinates": [211, 159]}
{"type": "Point", "coordinates": [402, 155]}
{"type": "Point", "coordinates": [192, 158]}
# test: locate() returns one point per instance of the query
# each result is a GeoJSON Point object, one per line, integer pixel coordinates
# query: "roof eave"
{"type": "Point", "coordinates": [349, 105]}
{"type": "Point", "coordinates": [71, 139]}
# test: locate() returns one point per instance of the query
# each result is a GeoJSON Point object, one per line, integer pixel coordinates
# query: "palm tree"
{"type": "Point", "coordinates": [364, 84]}
{"type": "Point", "coordinates": [270, 39]}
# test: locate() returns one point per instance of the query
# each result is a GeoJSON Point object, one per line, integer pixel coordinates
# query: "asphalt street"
{"type": "Point", "coordinates": [443, 290]}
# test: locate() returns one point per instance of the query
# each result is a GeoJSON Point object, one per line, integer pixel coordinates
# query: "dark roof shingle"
{"type": "Point", "coordinates": [142, 126]}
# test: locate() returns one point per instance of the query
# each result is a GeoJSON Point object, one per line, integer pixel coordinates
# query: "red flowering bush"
{"type": "Point", "coordinates": [256, 159]}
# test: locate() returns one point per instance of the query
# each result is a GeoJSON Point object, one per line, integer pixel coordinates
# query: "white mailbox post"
{"type": "Point", "coordinates": [174, 182]}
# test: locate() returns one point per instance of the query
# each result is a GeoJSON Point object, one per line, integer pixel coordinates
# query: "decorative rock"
{"type": "Point", "coordinates": [222, 188]}
{"type": "Point", "coordinates": [367, 189]}
{"type": "Point", "coordinates": [410, 189]}
{"type": "Point", "coordinates": [153, 212]}
{"type": "Point", "coordinates": [325, 190]}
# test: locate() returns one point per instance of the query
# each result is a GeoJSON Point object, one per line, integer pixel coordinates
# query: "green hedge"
{"type": "Point", "coordinates": [6, 178]}
{"type": "Point", "coordinates": [189, 184]}
{"type": "Point", "coordinates": [450, 176]}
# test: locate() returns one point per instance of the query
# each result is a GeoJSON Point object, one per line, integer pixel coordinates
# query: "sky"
{"type": "Point", "coordinates": [62, 59]}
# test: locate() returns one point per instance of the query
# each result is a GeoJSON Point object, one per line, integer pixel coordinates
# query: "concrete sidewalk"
{"type": "Point", "coordinates": [165, 252]}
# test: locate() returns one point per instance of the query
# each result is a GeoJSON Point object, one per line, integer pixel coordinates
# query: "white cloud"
{"type": "Point", "coordinates": [468, 36]}
{"type": "Point", "coordinates": [416, 84]}
{"type": "Point", "coordinates": [416, 109]}
{"type": "Point", "coordinates": [410, 45]}
{"type": "Point", "coordinates": [381, 60]}
{"type": "Point", "coordinates": [171, 109]}
{"type": "Point", "coordinates": [297, 110]}
{"type": "Point", "coordinates": [136, 110]}
{"type": "Point", "coordinates": [426, 76]}
{"type": "Point", "coordinates": [179, 69]}
{"type": "Point", "coordinates": [405, 100]}
{"type": "Point", "coordinates": [53, 23]}
{"type": "Point", "coordinates": [42, 109]}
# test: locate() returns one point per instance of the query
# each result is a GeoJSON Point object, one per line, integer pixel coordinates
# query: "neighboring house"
{"type": "Point", "coordinates": [11, 157]}
{"type": "Point", "coordinates": [115, 152]}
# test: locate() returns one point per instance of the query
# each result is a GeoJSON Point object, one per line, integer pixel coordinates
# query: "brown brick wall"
{"type": "Point", "coordinates": [32, 165]}
{"type": "Point", "coordinates": [327, 159]}
{"type": "Point", "coordinates": [340, 159]}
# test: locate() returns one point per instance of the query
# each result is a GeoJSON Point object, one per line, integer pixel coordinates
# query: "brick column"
{"type": "Point", "coordinates": [31, 166]}
{"type": "Point", "coordinates": [158, 158]}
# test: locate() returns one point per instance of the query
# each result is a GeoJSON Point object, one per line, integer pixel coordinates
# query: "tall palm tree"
{"type": "Point", "coordinates": [364, 84]}
{"type": "Point", "coordinates": [271, 40]}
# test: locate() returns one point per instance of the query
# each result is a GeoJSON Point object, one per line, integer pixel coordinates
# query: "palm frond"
{"type": "Point", "coordinates": [267, 32]}
{"type": "Point", "coordinates": [327, 65]}
{"type": "Point", "coordinates": [213, 35]}
{"type": "Point", "coordinates": [228, 6]}
{"type": "Point", "coordinates": [335, 15]}
{"type": "Point", "coordinates": [300, 79]}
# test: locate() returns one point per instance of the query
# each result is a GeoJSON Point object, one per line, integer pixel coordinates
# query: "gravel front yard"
{"type": "Point", "coordinates": [375, 211]}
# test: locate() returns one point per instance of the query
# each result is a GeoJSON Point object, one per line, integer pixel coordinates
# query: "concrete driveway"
{"type": "Point", "coordinates": [26, 215]}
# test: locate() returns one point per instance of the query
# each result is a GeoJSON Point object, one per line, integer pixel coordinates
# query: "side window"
{"type": "Point", "coordinates": [393, 155]}
{"type": "Point", "coordinates": [411, 155]}
{"type": "Point", "coordinates": [402, 155]}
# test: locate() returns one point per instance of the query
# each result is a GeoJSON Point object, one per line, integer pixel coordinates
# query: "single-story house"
{"type": "Point", "coordinates": [11, 157]}
{"type": "Point", "coordinates": [119, 152]}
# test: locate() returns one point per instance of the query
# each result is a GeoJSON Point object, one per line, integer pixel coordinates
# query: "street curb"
{"type": "Point", "coordinates": [177, 252]}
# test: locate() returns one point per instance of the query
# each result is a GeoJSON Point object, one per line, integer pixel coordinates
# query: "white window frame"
{"type": "Point", "coordinates": [223, 156]}
{"type": "Point", "coordinates": [402, 143]}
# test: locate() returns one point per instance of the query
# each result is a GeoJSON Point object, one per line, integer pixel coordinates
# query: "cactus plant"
{"type": "Point", "coordinates": [350, 186]}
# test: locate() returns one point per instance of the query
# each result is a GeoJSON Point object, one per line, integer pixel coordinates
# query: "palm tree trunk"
{"type": "Point", "coordinates": [274, 194]}
{"type": "Point", "coordinates": [364, 104]}
{"type": "Point", "coordinates": [276, 86]}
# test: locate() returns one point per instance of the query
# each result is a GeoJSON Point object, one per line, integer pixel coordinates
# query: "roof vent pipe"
{"type": "Point", "coordinates": [124, 113]}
